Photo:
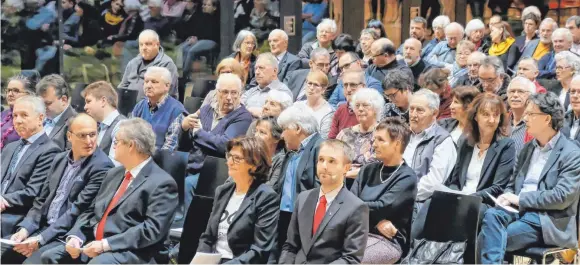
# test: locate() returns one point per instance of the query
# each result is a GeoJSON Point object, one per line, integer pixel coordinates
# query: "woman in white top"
{"type": "Point", "coordinates": [486, 159]}
{"type": "Point", "coordinates": [567, 65]}
{"type": "Point", "coordinates": [244, 219]}
{"type": "Point", "coordinates": [462, 97]}
{"type": "Point", "coordinates": [316, 85]}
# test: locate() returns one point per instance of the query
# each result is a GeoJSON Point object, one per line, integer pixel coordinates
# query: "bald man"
{"type": "Point", "coordinates": [73, 182]}
{"type": "Point", "coordinates": [412, 56]}
{"type": "Point", "coordinates": [384, 59]}
{"type": "Point", "coordinates": [287, 62]}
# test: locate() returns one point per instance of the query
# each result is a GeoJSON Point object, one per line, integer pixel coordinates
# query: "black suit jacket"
{"type": "Point", "coordinates": [84, 189]}
{"type": "Point", "coordinates": [58, 133]}
{"type": "Point", "coordinates": [340, 238]}
{"type": "Point", "coordinates": [566, 130]}
{"type": "Point", "coordinates": [140, 221]}
{"type": "Point", "coordinates": [295, 81]}
{"type": "Point", "coordinates": [289, 63]}
{"type": "Point", "coordinates": [306, 170]}
{"type": "Point", "coordinates": [252, 232]}
{"type": "Point", "coordinates": [27, 179]}
{"type": "Point", "coordinates": [107, 141]}
{"type": "Point", "coordinates": [498, 166]}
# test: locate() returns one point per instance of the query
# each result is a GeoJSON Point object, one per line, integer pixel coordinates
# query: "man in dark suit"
{"type": "Point", "coordinates": [54, 91]}
{"type": "Point", "coordinates": [132, 213]}
{"type": "Point", "coordinates": [298, 172]}
{"type": "Point", "coordinates": [25, 163]}
{"type": "Point", "coordinates": [296, 81]}
{"type": "Point", "coordinates": [71, 186]}
{"type": "Point", "coordinates": [544, 189]}
{"type": "Point", "coordinates": [329, 224]}
{"type": "Point", "coordinates": [572, 117]}
{"type": "Point", "coordinates": [101, 103]}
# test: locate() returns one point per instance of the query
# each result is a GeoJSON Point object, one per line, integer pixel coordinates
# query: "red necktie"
{"type": "Point", "coordinates": [120, 191]}
{"type": "Point", "coordinates": [319, 214]}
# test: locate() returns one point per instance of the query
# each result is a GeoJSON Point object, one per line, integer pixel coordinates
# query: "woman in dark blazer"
{"type": "Point", "coordinates": [244, 218]}
{"type": "Point", "coordinates": [389, 188]}
{"type": "Point", "coordinates": [462, 97]}
{"type": "Point", "coordinates": [486, 159]}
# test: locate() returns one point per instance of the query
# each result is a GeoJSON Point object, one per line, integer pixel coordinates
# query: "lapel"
{"type": "Point", "coordinates": [489, 157]}
{"type": "Point", "coordinates": [138, 181]}
{"type": "Point", "coordinates": [307, 215]}
{"type": "Point", "coordinates": [330, 213]}
{"type": "Point", "coordinates": [282, 65]}
{"type": "Point", "coordinates": [62, 122]}
{"type": "Point", "coordinates": [306, 155]}
{"type": "Point", "coordinates": [30, 150]}
{"type": "Point", "coordinates": [223, 201]}
{"type": "Point", "coordinates": [465, 165]}
{"type": "Point", "coordinates": [248, 200]}
{"type": "Point", "coordinates": [553, 157]}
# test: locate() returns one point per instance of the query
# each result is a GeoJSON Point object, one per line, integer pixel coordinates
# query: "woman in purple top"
{"type": "Point", "coordinates": [17, 87]}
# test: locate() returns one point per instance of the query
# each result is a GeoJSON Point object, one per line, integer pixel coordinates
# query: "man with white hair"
{"type": "Point", "coordinates": [572, 117]}
{"type": "Point", "coordinates": [562, 40]}
{"type": "Point", "coordinates": [287, 62]}
{"type": "Point", "coordinates": [538, 48]}
{"type": "Point", "coordinates": [518, 91]}
{"type": "Point", "coordinates": [25, 163]}
{"type": "Point", "coordinates": [528, 68]}
{"type": "Point", "coordinates": [573, 24]}
{"type": "Point", "coordinates": [443, 55]}
{"type": "Point", "coordinates": [300, 134]}
{"type": "Point", "coordinates": [267, 79]}
{"type": "Point", "coordinates": [471, 77]}
{"type": "Point", "coordinates": [207, 131]}
{"type": "Point", "coordinates": [158, 108]}
{"type": "Point", "coordinates": [431, 151]}
{"type": "Point", "coordinates": [438, 25]}
{"type": "Point", "coordinates": [150, 54]}
{"type": "Point", "coordinates": [326, 32]}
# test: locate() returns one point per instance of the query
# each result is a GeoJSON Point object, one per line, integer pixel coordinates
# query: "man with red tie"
{"type": "Point", "coordinates": [329, 224]}
{"type": "Point", "coordinates": [132, 213]}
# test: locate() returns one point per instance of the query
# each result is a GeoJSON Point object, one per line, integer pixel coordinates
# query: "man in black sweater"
{"type": "Point", "coordinates": [384, 59]}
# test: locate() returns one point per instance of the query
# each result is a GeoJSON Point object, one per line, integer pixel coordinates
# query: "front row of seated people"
{"type": "Point", "coordinates": [293, 207]}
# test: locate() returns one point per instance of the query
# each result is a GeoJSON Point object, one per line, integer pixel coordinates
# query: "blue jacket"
{"type": "Point", "coordinates": [547, 66]}
{"type": "Point", "coordinates": [441, 55]}
{"type": "Point", "coordinates": [317, 11]}
{"type": "Point", "coordinates": [338, 94]}
{"type": "Point", "coordinates": [46, 15]}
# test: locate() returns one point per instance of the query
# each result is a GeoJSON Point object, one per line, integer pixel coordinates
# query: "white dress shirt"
{"type": "Point", "coordinates": [474, 171]}
{"type": "Point", "coordinates": [330, 196]}
{"type": "Point", "coordinates": [48, 127]}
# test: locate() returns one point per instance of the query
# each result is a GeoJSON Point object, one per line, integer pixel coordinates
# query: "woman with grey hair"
{"type": "Point", "coordinates": [244, 47]}
{"type": "Point", "coordinates": [18, 86]}
{"type": "Point", "coordinates": [438, 25]}
{"type": "Point", "coordinates": [567, 65]}
{"type": "Point", "coordinates": [474, 31]}
{"type": "Point", "coordinates": [367, 104]}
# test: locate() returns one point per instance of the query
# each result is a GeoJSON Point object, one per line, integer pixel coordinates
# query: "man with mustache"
{"type": "Point", "coordinates": [431, 151]}
{"type": "Point", "coordinates": [332, 219]}
{"type": "Point", "coordinates": [518, 91]}
{"type": "Point", "coordinates": [25, 163]}
{"type": "Point", "coordinates": [74, 180]}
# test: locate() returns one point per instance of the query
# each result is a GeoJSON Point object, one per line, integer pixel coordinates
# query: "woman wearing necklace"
{"type": "Point", "coordinates": [316, 85]}
{"type": "Point", "coordinates": [389, 188]}
{"type": "Point", "coordinates": [18, 86]}
{"type": "Point", "coordinates": [244, 218]}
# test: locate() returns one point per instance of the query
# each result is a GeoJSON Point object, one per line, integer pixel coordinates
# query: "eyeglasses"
{"type": "Point", "coordinates": [351, 85]}
{"type": "Point", "coordinates": [517, 91]}
{"type": "Point", "coordinates": [15, 91]}
{"type": "Point", "coordinates": [346, 65]}
{"type": "Point", "coordinates": [531, 114]}
{"type": "Point", "coordinates": [488, 80]}
{"type": "Point", "coordinates": [561, 68]}
{"type": "Point", "coordinates": [232, 93]}
{"type": "Point", "coordinates": [391, 96]}
{"type": "Point", "coordinates": [234, 159]}
{"type": "Point", "coordinates": [84, 136]}
{"type": "Point", "coordinates": [322, 65]}
{"type": "Point", "coordinates": [314, 85]}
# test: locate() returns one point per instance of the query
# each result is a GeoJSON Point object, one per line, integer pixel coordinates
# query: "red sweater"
{"type": "Point", "coordinates": [343, 118]}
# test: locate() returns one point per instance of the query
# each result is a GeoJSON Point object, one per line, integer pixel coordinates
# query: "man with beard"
{"type": "Point", "coordinates": [562, 40]}
{"type": "Point", "coordinates": [538, 48]}
{"type": "Point", "coordinates": [493, 77]}
{"type": "Point", "coordinates": [417, 30]}
{"type": "Point", "coordinates": [412, 56]}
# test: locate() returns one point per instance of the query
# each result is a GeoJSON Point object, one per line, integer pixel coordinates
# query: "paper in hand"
{"type": "Point", "coordinates": [206, 258]}
{"type": "Point", "coordinates": [10, 242]}
{"type": "Point", "coordinates": [507, 208]}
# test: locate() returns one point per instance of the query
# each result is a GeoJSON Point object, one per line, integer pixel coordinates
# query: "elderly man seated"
{"type": "Point", "coordinates": [207, 131]}
{"type": "Point", "coordinates": [528, 68]}
{"type": "Point", "coordinates": [267, 79]}
{"type": "Point", "coordinates": [443, 55]}
{"type": "Point", "coordinates": [562, 40]}
{"type": "Point", "coordinates": [276, 102]}
{"type": "Point", "coordinates": [319, 60]}
{"type": "Point", "coordinates": [518, 91]}
{"type": "Point", "coordinates": [413, 57]}
{"type": "Point", "coordinates": [542, 195]}
{"type": "Point", "coordinates": [150, 54]}
{"type": "Point", "coordinates": [326, 32]}
{"type": "Point", "coordinates": [431, 151]}
{"type": "Point", "coordinates": [384, 59]}
{"type": "Point", "coordinates": [158, 108]}
{"type": "Point", "coordinates": [492, 77]}
{"type": "Point", "coordinates": [471, 76]}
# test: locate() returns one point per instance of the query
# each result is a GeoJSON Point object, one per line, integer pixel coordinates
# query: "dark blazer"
{"type": "Point", "coordinates": [295, 81]}
{"type": "Point", "coordinates": [305, 51]}
{"type": "Point", "coordinates": [139, 224]}
{"type": "Point", "coordinates": [340, 238]}
{"type": "Point", "coordinates": [448, 124]}
{"type": "Point", "coordinates": [305, 171]}
{"type": "Point", "coordinates": [27, 180]}
{"type": "Point", "coordinates": [568, 122]}
{"type": "Point", "coordinates": [547, 66]}
{"type": "Point", "coordinates": [553, 86]}
{"type": "Point", "coordinates": [58, 133]}
{"type": "Point", "coordinates": [556, 200]}
{"type": "Point", "coordinates": [107, 141]}
{"type": "Point", "coordinates": [511, 58]}
{"type": "Point", "coordinates": [521, 42]}
{"type": "Point", "coordinates": [289, 63]}
{"type": "Point", "coordinates": [252, 232]}
{"type": "Point", "coordinates": [83, 191]}
{"type": "Point", "coordinates": [498, 166]}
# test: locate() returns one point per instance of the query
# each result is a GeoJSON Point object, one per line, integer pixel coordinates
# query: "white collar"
{"type": "Point", "coordinates": [110, 118]}
{"type": "Point", "coordinates": [137, 169]}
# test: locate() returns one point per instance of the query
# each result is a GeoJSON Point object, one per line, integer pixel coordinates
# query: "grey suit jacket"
{"type": "Point", "coordinates": [58, 133]}
{"type": "Point", "coordinates": [83, 191]}
{"type": "Point", "coordinates": [140, 221]}
{"type": "Point", "coordinates": [556, 200]}
{"type": "Point", "coordinates": [530, 48]}
{"type": "Point", "coordinates": [27, 179]}
{"type": "Point", "coordinates": [295, 81]}
{"type": "Point", "coordinates": [287, 65]}
{"type": "Point", "coordinates": [341, 237]}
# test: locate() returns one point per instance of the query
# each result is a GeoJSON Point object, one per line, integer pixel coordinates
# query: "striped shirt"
{"type": "Point", "coordinates": [518, 134]}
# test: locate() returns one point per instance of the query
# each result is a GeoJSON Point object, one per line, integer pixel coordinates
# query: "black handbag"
{"type": "Point", "coordinates": [432, 252]}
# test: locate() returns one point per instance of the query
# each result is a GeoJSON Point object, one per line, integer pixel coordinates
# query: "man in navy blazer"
{"type": "Point", "coordinates": [544, 189]}
{"type": "Point", "coordinates": [71, 186]}
{"type": "Point", "coordinates": [131, 216]}
{"type": "Point", "coordinates": [25, 163]}
{"type": "Point", "coordinates": [329, 223]}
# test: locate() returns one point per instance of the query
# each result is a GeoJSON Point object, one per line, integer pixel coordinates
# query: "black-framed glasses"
{"type": "Point", "coordinates": [391, 96]}
{"type": "Point", "coordinates": [235, 159]}
{"type": "Point", "coordinates": [84, 136]}
{"type": "Point", "coordinates": [15, 91]}
{"type": "Point", "coordinates": [351, 85]}
{"type": "Point", "coordinates": [346, 65]}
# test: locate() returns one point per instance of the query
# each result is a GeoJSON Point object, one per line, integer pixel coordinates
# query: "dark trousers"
{"type": "Point", "coordinates": [503, 232]}
{"type": "Point", "coordinates": [58, 255]}
{"type": "Point", "coordinates": [435, 10]}
{"type": "Point", "coordinates": [9, 256]}
{"type": "Point", "coordinates": [283, 223]}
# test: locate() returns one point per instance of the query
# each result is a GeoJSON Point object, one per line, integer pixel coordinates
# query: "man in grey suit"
{"type": "Point", "coordinates": [544, 188]}
{"type": "Point", "coordinates": [25, 163]}
{"type": "Point", "coordinates": [329, 224]}
{"type": "Point", "coordinates": [55, 93]}
{"type": "Point", "coordinates": [296, 81]}
{"type": "Point", "coordinates": [132, 213]}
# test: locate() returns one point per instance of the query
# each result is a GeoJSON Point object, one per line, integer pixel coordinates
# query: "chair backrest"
{"type": "Point", "coordinates": [194, 225]}
{"type": "Point", "coordinates": [202, 86]}
{"type": "Point", "coordinates": [192, 104]}
{"type": "Point", "coordinates": [452, 217]}
{"type": "Point", "coordinates": [213, 173]}
{"type": "Point", "coordinates": [127, 100]}
{"type": "Point", "coordinates": [175, 164]}
{"type": "Point", "coordinates": [77, 100]}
